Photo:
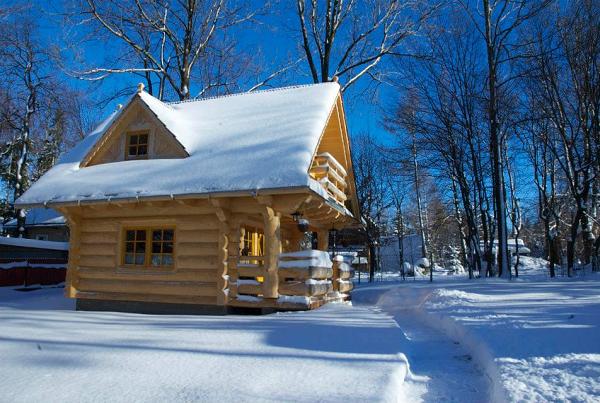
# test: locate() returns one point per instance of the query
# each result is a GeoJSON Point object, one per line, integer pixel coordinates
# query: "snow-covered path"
{"type": "Point", "coordinates": [442, 369]}
{"type": "Point", "coordinates": [535, 339]}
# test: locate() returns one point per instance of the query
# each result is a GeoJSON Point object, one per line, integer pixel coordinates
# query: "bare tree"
{"type": "Point", "coordinates": [497, 22]}
{"type": "Point", "coordinates": [35, 107]}
{"type": "Point", "coordinates": [565, 88]}
{"type": "Point", "coordinates": [21, 66]}
{"type": "Point", "coordinates": [372, 191]}
{"type": "Point", "coordinates": [348, 39]}
{"type": "Point", "coordinates": [444, 97]}
{"type": "Point", "coordinates": [176, 46]}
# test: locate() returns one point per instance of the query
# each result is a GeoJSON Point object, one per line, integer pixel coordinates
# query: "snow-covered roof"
{"type": "Point", "coordinates": [33, 243]}
{"type": "Point", "coordinates": [244, 142]}
{"type": "Point", "coordinates": [40, 217]}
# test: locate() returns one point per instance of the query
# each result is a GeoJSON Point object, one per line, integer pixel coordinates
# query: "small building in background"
{"type": "Point", "coordinates": [41, 224]}
{"type": "Point", "coordinates": [14, 249]}
{"type": "Point", "coordinates": [389, 253]}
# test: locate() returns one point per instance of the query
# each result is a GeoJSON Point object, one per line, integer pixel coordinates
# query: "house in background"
{"type": "Point", "coordinates": [13, 249]}
{"type": "Point", "coordinates": [389, 252]}
{"type": "Point", "coordinates": [42, 224]}
{"type": "Point", "coordinates": [187, 207]}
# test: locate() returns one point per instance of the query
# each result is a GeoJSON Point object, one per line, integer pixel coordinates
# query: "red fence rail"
{"type": "Point", "coordinates": [26, 272]}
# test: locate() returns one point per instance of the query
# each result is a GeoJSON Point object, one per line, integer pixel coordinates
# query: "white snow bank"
{"type": "Point", "coordinates": [51, 353]}
{"type": "Point", "coordinates": [34, 243]}
{"type": "Point", "coordinates": [422, 262]}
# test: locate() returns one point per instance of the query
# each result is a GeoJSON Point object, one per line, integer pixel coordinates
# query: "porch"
{"type": "Point", "coordinates": [278, 273]}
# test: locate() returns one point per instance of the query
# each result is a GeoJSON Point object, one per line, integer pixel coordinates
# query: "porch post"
{"type": "Point", "coordinates": [273, 249]}
{"type": "Point", "coordinates": [323, 240]}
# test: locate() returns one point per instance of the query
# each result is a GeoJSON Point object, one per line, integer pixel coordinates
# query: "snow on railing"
{"type": "Point", "coordinates": [304, 278]}
{"type": "Point", "coordinates": [246, 279]}
{"type": "Point", "coordinates": [331, 175]}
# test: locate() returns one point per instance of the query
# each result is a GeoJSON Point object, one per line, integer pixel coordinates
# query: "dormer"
{"type": "Point", "coordinates": [136, 134]}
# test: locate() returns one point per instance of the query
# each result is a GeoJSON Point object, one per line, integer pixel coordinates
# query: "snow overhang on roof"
{"type": "Point", "coordinates": [33, 243]}
{"type": "Point", "coordinates": [40, 217]}
{"type": "Point", "coordinates": [252, 142]}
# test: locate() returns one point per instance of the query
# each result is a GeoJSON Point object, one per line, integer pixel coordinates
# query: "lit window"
{"type": "Point", "coordinates": [149, 247]}
{"type": "Point", "coordinates": [254, 242]}
{"type": "Point", "coordinates": [137, 146]}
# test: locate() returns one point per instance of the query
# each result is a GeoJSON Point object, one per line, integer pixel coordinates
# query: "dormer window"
{"type": "Point", "coordinates": [137, 146]}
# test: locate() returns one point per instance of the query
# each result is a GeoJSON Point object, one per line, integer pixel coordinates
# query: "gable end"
{"type": "Point", "coordinates": [135, 118]}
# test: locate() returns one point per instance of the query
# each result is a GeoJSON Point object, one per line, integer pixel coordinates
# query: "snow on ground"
{"type": "Point", "coordinates": [528, 340]}
{"type": "Point", "coordinates": [536, 340]}
{"type": "Point", "coordinates": [50, 352]}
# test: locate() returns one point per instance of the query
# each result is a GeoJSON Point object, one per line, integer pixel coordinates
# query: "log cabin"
{"type": "Point", "coordinates": [201, 206]}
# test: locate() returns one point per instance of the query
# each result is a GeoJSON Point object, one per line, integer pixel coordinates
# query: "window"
{"type": "Point", "coordinates": [254, 242]}
{"type": "Point", "coordinates": [41, 237]}
{"type": "Point", "coordinates": [162, 247]}
{"type": "Point", "coordinates": [137, 146]}
{"type": "Point", "coordinates": [149, 247]}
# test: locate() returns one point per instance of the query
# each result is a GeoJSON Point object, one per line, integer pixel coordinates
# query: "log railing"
{"type": "Point", "coordinates": [304, 279]}
{"type": "Point", "coordinates": [245, 283]}
{"type": "Point", "coordinates": [342, 276]}
{"type": "Point", "coordinates": [331, 175]}
{"type": "Point", "coordinates": [307, 280]}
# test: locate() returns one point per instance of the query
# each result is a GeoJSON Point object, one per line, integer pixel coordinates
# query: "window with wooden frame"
{"type": "Point", "coordinates": [148, 247]}
{"type": "Point", "coordinates": [254, 242]}
{"type": "Point", "coordinates": [137, 146]}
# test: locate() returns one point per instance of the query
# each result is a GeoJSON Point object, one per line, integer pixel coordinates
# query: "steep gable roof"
{"type": "Point", "coordinates": [244, 142]}
{"type": "Point", "coordinates": [111, 134]}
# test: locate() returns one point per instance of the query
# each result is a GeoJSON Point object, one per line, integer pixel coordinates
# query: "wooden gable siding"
{"type": "Point", "coordinates": [336, 141]}
{"type": "Point", "coordinates": [137, 118]}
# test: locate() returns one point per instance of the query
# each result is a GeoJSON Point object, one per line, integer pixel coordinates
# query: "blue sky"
{"type": "Point", "coordinates": [271, 37]}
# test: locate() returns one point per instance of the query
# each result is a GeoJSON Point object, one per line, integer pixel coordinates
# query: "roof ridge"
{"type": "Point", "coordinates": [289, 87]}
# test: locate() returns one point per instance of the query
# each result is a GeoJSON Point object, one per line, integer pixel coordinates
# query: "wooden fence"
{"type": "Point", "coordinates": [26, 272]}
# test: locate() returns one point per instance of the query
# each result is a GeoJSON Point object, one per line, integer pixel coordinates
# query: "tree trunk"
{"type": "Point", "coordinates": [495, 148]}
{"type": "Point", "coordinates": [418, 196]}
{"type": "Point", "coordinates": [372, 261]}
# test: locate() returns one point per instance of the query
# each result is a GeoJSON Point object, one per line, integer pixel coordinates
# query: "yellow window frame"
{"type": "Point", "coordinates": [148, 241]}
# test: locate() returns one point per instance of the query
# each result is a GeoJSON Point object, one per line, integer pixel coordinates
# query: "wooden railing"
{"type": "Point", "coordinates": [331, 175]}
{"type": "Point", "coordinates": [307, 280]}
{"type": "Point", "coordinates": [304, 279]}
{"type": "Point", "coordinates": [342, 276]}
{"type": "Point", "coordinates": [246, 278]}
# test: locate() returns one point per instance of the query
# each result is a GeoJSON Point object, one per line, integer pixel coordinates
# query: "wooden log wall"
{"type": "Point", "coordinates": [95, 269]}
